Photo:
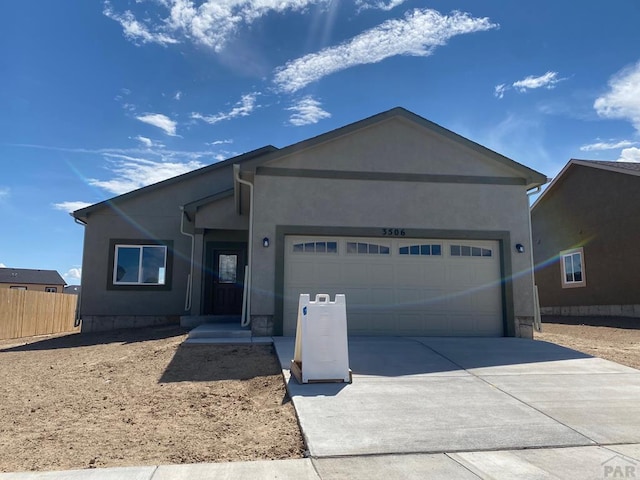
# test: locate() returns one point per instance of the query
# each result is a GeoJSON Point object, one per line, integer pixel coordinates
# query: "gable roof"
{"type": "Point", "coordinates": [84, 212]}
{"type": "Point", "coordinates": [264, 155]}
{"type": "Point", "coordinates": [29, 276]}
{"type": "Point", "coordinates": [627, 168]}
{"type": "Point", "coordinates": [532, 177]}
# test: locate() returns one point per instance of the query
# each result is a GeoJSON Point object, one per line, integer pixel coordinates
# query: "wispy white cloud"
{"type": "Point", "coordinates": [4, 192]}
{"type": "Point", "coordinates": [178, 95]}
{"type": "Point", "coordinates": [607, 145]}
{"type": "Point", "coordinates": [2, 265]}
{"type": "Point", "coordinates": [147, 142]}
{"type": "Point", "coordinates": [130, 173]}
{"type": "Point", "coordinates": [417, 34]}
{"type": "Point", "coordinates": [161, 121]}
{"type": "Point", "coordinates": [73, 275]}
{"type": "Point", "coordinates": [211, 23]}
{"type": "Point", "coordinates": [307, 111]}
{"type": "Point", "coordinates": [630, 155]}
{"type": "Point", "coordinates": [242, 108]}
{"type": "Point", "coordinates": [548, 81]}
{"type": "Point", "coordinates": [379, 4]}
{"type": "Point", "coordinates": [70, 206]}
{"type": "Point", "coordinates": [622, 101]}
{"type": "Point", "coordinates": [135, 30]}
{"type": "Point", "coordinates": [220, 142]}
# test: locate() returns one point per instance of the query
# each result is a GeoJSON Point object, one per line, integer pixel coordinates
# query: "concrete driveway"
{"type": "Point", "coordinates": [469, 398]}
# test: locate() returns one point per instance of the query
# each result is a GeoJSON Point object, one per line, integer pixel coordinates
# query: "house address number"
{"type": "Point", "coordinates": [393, 232]}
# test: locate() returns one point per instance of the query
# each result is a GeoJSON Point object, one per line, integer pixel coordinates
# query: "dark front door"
{"type": "Point", "coordinates": [227, 282]}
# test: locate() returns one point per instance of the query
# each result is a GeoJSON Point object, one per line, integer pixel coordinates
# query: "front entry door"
{"type": "Point", "coordinates": [228, 281]}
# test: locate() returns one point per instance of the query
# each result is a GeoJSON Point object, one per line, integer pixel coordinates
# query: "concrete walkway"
{"type": "Point", "coordinates": [446, 408]}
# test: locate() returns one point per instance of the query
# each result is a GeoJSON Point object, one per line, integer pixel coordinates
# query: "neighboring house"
{"type": "Point", "coordinates": [586, 229]}
{"type": "Point", "coordinates": [33, 280]}
{"type": "Point", "coordinates": [72, 289]}
{"type": "Point", "coordinates": [417, 225]}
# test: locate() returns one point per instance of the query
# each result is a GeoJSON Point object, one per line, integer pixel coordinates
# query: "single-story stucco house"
{"type": "Point", "coordinates": [32, 279]}
{"type": "Point", "coordinates": [586, 227]}
{"type": "Point", "coordinates": [424, 231]}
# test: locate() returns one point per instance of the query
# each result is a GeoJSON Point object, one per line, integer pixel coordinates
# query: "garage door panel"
{"type": "Point", "coordinates": [413, 293]}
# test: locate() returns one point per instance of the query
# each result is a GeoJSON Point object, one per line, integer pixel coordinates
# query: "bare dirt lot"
{"type": "Point", "coordinates": [138, 397]}
{"type": "Point", "coordinates": [616, 339]}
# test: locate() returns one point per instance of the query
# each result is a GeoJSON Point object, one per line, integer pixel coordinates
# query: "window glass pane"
{"type": "Point", "coordinates": [352, 247]}
{"type": "Point", "coordinates": [321, 247]}
{"type": "Point", "coordinates": [425, 249]}
{"type": "Point", "coordinates": [455, 250]}
{"type": "Point", "coordinates": [435, 250]}
{"type": "Point", "coordinates": [332, 247]}
{"type": "Point", "coordinates": [384, 250]}
{"type": "Point", "coordinates": [476, 251]}
{"type": "Point", "coordinates": [363, 248]}
{"type": "Point", "coordinates": [309, 247]}
{"type": "Point", "coordinates": [298, 247]}
{"type": "Point", "coordinates": [568, 268]}
{"type": "Point", "coordinates": [404, 250]}
{"type": "Point", "coordinates": [227, 268]}
{"type": "Point", "coordinates": [414, 249]}
{"type": "Point", "coordinates": [373, 248]}
{"type": "Point", "coordinates": [153, 260]}
{"type": "Point", "coordinates": [486, 252]}
{"type": "Point", "coordinates": [465, 251]}
{"type": "Point", "coordinates": [127, 264]}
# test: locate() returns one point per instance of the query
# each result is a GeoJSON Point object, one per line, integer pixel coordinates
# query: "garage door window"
{"type": "Point", "coordinates": [315, 247]}
{"type": "Point", "coordinates": [424, 249]}
{"type": "Point", "coordinates": [467, 251]}
{"type": "Point", "coordinates": [362, 248]}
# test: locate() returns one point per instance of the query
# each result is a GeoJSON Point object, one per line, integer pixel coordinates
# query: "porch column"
{"type": "Point", "coordinates": [196, 281]}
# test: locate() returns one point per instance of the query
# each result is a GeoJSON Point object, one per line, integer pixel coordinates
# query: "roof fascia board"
{"type": "Point", "coordinates": [83, 213]}
{"type": "Point", "coordinates": [532, 177]}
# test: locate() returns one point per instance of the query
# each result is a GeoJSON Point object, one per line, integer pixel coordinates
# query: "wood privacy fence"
{"type": "Point", "coordinates": [25, 314]}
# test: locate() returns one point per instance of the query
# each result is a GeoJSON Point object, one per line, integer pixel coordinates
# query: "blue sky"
{"type": "Point", "coordinates": [99, 98]}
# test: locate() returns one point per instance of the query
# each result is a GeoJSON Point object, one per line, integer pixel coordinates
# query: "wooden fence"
{"type": "Point", "coordinates": [25, 314]}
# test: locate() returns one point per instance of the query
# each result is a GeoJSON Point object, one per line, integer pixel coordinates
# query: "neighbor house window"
{"type": "Point", "coordinates": [51, 289]}
{"type": "Point", "coordinates": [140, 265]}
{"type": "Point", "coordinates": [572, 265]}
{"type": "Point", "coordinates": [17, 287]}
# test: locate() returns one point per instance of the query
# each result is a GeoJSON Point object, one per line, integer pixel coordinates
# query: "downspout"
{"type": "Point", "coordinates": [537, 320]}
{"type": "Point", "coordinates": [246, 302]}
{"type": "Point", "coordinates": [76, 320]}
{"type": "Point", "coordinates": [187, 300]}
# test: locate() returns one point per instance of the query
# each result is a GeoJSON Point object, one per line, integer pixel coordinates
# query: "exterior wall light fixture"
{"type": "Point", "coordinates": [519, 248]}
{"type": "Point", "coordinates": [265, 242]}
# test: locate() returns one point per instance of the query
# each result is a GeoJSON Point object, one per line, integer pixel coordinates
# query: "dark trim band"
{"type": "Point", "coordinates": [387, 177]}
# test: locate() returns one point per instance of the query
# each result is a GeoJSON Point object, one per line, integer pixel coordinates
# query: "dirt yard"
{"type": "Point", "coordinates": [140, 398]}
{"type": "Point", "coordinates": [616, 339]}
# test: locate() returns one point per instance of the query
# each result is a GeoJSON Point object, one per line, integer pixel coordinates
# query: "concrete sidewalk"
{"type": "Point", "coordinates": [446, 408]}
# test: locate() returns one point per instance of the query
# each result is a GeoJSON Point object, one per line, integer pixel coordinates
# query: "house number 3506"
{"type": "Point", "coordinates": [393, 232]}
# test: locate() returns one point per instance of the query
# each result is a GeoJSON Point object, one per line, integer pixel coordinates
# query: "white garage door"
{"type": "Point", "coordinates": [399, 286]}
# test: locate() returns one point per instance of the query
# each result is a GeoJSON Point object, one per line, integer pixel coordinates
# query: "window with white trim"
{"type": "Point", "coordinates": [423, 249]}
{"type": "Point", "coordinates": [572, 266]}
{"type": "Point", "coordinates": [140, 265]}
{"type": "Point", "coordinates": [469, 251]}
{"type": "Point", "coordinates": [51, 289]}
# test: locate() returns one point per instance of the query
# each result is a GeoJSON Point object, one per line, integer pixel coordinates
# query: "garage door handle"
{"type": "Point", "coordinates": [322, 298]}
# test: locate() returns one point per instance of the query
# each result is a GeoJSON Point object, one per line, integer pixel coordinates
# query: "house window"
{"type": "Point", "coordinates": [467, 251]}
{"type": "Point", "coordinates": [315, 247]}
{"type": "Point", "coordinates": [140, 265]}
{"type": "Point", "coordinates": [572, 265]}
{"type": "Point", "coordinates": [17, 287]}
{"type": "Point", "coordinates": [362, 248]}
{"type": "Point", "coordinates": [51, 289]}
{"type": "Point", "coordinates": [424, 249]}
